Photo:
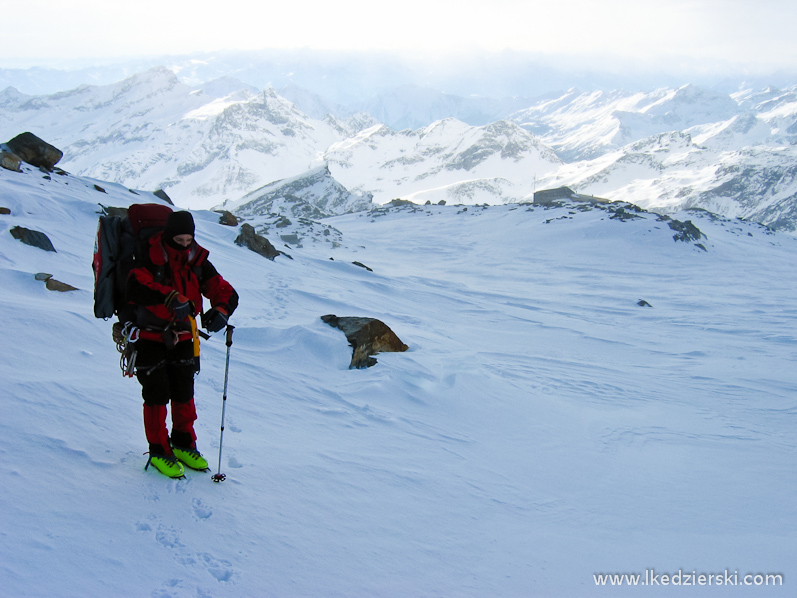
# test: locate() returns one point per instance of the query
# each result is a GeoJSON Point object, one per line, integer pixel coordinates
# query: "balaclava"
{"type": "Point", "coordinates": [178, 223]}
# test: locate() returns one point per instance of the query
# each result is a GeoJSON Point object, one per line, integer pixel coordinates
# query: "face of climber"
{"type": "Point", "coordinates": [183, 240]}
{"type": "Point", "coordinates": [179, 230]}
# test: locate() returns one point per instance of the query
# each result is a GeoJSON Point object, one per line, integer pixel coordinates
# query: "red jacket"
{"type": "Point", "coordinates": [167, 270]}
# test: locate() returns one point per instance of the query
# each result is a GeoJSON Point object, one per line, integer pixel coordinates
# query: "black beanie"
{"type": "Point", "coordinates": [178, 223]}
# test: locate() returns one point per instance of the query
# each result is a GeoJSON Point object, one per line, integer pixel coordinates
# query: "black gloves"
{"type": "Point", "coordinates": [214, 319]}
{"type": "Point", "coordinates": [179, 305]}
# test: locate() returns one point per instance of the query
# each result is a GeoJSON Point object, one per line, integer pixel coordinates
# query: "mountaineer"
{"type": "Point", "coordinates": [166, 293]}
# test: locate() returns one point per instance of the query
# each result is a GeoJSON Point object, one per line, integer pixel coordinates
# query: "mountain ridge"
{"type": "Point", "coordinates": [204, 148]}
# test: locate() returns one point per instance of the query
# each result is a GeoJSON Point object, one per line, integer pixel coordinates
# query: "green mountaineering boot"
{"type": "Point", "coordinates": [168, 466]}
{"type": "Point", "coordinates": [191, 457]}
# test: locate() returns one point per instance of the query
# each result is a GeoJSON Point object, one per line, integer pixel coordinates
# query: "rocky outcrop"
{"type": "Point", "coordinates": [367, 336]}
{"type": "Point", "coordinates": [32, 237]}
{"type": "Point", "coordinates": [251, 240]}
{"type": "Point", "coordinates": [35, 151]}
{"type": "Point", "coordinates": [160, 193]}
{"type": "Point", "coordinates": [685, 231]}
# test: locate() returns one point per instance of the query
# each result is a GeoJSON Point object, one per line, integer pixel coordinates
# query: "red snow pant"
{"type": "Point", "coordinates": [167, 376]}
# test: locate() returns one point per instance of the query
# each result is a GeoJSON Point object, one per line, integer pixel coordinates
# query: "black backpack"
{"type": "Point", "coordinates": [121, 242]}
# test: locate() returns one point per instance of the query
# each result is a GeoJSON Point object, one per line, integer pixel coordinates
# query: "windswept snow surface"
{"type": "Point", "coordinates": [542, 428]}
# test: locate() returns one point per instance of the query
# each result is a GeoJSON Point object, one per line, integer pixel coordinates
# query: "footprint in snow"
{"type": "Point", "coordinates": [169, 537]}
{"type": "Point", "coordinates": [201, 511]}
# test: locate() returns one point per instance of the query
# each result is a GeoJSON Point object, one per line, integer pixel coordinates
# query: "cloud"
{"type": "Point", "coordinates": [733, 31]}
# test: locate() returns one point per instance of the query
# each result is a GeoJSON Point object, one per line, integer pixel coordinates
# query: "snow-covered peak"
{"type": "Point", "coordinates": [313, 194]}
{"type": "Point", "coordinates": [225, 86]}
{"type": "Point", "coordinates": [445, 161]}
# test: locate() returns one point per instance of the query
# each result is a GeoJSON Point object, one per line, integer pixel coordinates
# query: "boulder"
{"type": "Point", "coordinates": [54, 285]}
{"type": "Point", "coordinates": [10, 161]}
{"type": "Point", "coordinates": [35, 151]}
{"type": "Point", "coordinates": [5, 211]}
{"type": "Point", "coordinates": [32, 237]}
{"type": "Point", "coordinates": [367, 336]}
{"type": "Point", "coordinates": [227, 218]}
{"type": "Point", "coordinates": [162, 195]}
{"type": "Point", "coordinates": [250, 239]}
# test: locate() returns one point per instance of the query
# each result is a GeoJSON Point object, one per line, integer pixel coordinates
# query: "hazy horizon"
{"type": "Point", "coordinates": [672, 35]}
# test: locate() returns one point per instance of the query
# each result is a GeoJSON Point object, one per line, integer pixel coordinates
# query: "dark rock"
{"type": "Point", "coordinates": [5, 211]}
{"type": "Point", "coordinates": [100, 189]}
{"type": "Point", "coordinates": [622, 214]}
{"type": "Point", "coordinates": [35, 151]}
{"type": "Point", "coordinates": [367, 336]}
{"type": "Point", "coordinates": [227, 218]}
{"type": "Point", "coordinates": [685, 231]}
{"type": "Point", "coordinates": [32, 237]}
{"type": "Point", "coordinates": [162, 195]}
{"type": "Point", "coordinates": [362, 266]}
{"type": "Point", "coordinates": [643, 303]}
{"type": "Point", "coordinates": [250, 239]}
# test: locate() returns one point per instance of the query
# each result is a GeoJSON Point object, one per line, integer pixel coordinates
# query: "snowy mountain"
{"type": "Point", "coordinates": [676, 149]}
{"type": "Point", "coordinates": [313, 194]}
{"type": "Point", "coordinates": [546, 426]}
{"type": "Point", "coordinates": [581, 126]}
{"type": "Point", "coordinates": [211, 145]}
{"type": "Point", "coordinates": [151, 131]}
{"type": "Point", "coordinates": [290, 209]}
{"type": "Point", "coordinates": [446, 161]}
{"type": "Point", "coordinates": [349, 77]}
{"type": "Point", "coordinates": [667, 149]}
{"type": "Point", "coordinates": [414, 107]}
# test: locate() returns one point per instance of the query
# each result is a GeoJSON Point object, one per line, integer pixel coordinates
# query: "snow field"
{"type": "Point", "coordinates": [541, 428]}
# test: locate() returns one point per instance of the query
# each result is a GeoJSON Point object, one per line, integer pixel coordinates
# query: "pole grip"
{"type": "Point", "coordinates": [229, 335]}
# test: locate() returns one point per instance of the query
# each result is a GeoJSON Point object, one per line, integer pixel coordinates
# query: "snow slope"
{"type": "Point", "coordinates": [542, 428]}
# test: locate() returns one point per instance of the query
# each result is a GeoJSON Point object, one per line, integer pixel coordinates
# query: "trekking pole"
{"type": "Point", "coordinates": [220, 477]}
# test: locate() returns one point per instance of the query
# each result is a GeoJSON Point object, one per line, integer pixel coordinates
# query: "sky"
{"type": "Point", "coordinates": [751, 35]}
